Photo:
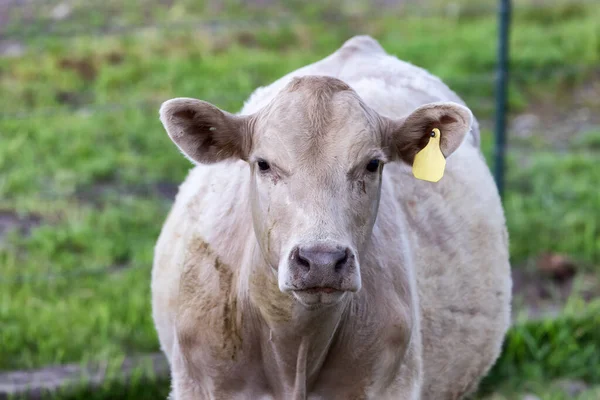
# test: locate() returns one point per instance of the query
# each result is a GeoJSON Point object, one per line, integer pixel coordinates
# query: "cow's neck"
{"type": "Point", "coordinates": [294, 340]}
{"type": "Point", "coordinates": [294, 352]}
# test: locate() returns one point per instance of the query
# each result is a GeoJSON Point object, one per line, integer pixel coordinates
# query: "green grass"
{"type": "Point", "coordinates": [77, 287]}
{"type": "Point", "coordinates": [541, 351]}
{"type": "Point", "coordinates": [548, 392]}
{"type": "Point", "coordinates": [553, 205]}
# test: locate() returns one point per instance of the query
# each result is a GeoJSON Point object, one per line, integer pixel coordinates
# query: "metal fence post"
{"type": "Point", "coordinates": [501, 92]}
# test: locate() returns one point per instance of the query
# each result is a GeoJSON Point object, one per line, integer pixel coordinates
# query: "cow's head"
{"type": "Point", "coordinates": [316, 155]}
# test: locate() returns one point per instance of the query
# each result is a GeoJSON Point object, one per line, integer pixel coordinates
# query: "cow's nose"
{"type": "Point", "coordinates": [321, 266]}
{"type": "Point", "coordinates": [323, 258]}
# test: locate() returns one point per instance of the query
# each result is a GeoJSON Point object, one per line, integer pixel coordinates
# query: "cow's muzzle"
{"type": "Point", "coordinates": [321, 272]}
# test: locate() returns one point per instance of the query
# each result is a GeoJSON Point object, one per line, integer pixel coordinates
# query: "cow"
{"type": "Point", "coordinates": [302, 258]}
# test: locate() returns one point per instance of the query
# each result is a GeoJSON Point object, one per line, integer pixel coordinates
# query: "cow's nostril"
{"type": "Point", "coordinates": [303, 262]}
{"type": "Point", "coordinates": [340, 264]}
{"type": "Point", "coordinates": [298, 259]}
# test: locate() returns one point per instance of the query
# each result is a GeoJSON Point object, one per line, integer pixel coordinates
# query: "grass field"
{"type": "Point", "coordinates": [87, 173]}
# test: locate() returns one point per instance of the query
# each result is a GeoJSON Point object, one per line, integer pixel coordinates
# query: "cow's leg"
{"type": "Point", "coordinates": [183, 386]}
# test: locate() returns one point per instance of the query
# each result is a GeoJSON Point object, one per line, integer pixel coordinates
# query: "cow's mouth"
{"type": "Point", "coordinates": [319, 296]}
{"type": "Point", "coordinates": [320, 290]}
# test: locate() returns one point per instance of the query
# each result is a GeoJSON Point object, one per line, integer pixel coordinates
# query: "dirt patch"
{"type": "Point", "coordinates": [536, 296]}
{"type": "Point", "coordinates": [97, 193]}
{"type": "Point", "coordinates": [560, 117]}
{"type": "Point", "coordinates": [543, 287]}
{"type": "Point", "coordinates": [68, 378]}
{"type": "Point", "coordinates": [87, 69]}
{"type": "Point", "coordinates": [11, 221]}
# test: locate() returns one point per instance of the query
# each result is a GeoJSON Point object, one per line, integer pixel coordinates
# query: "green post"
{"type": "Point", "coordinates": [501, 92]}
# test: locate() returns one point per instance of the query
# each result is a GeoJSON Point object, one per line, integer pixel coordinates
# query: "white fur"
{"type": "Point", "coordinates": [434, 306]}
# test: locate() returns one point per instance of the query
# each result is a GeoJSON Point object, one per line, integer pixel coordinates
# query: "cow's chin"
{"type": "Point", "coordinates": [319, 297]}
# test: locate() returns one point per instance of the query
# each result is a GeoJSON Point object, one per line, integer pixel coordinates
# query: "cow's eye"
{"type": "Point", "coordinates": [263, 165]}
{"type": "Point", "coordinates": [373, 165]}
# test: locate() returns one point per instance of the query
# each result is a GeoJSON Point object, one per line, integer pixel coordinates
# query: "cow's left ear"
{"type": "Point", "coordinates": [205, 133]}
{"type": "Point", "coordinates": [407, 136]}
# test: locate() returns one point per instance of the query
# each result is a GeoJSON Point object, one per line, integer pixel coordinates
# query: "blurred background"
{"type": "Point", "coordinates": [87, 173]}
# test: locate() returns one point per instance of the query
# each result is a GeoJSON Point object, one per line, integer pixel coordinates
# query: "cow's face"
{"type": "Point", "coordinates": [316, 157]}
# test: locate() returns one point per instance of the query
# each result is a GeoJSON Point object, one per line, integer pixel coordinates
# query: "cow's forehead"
{"type": "Point", "coordinates": [314, 115]}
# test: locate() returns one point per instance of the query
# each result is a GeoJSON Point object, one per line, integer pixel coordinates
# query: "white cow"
{"type": "Point", "coordinates": [303, 260]}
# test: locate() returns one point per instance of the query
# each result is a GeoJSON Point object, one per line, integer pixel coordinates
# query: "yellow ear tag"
{"type": "Point", "coordinates": [429, 163]}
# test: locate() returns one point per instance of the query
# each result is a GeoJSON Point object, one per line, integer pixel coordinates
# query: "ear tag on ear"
{"type": "Point", "coordinates": [429, 163]}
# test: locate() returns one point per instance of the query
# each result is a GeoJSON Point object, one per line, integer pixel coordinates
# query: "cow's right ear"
{"type": "Point", "coordinates": [205, 133]}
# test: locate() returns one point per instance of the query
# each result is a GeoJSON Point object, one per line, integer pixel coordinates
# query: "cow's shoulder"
{"type": "Point", "coordinates": [208, 318]}
{"type": "Point", "coordinates": [199, 254]}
